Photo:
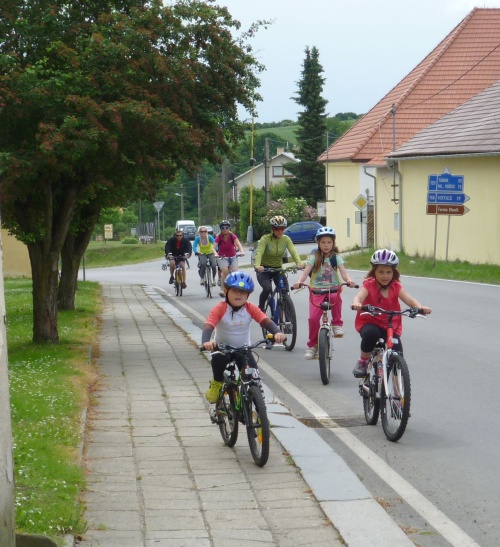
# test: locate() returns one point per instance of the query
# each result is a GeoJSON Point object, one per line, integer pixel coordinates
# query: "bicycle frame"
{"type": "Point", "coordinates": [279, 306]}
{"type": "Point", "coordinates": [387, 380]}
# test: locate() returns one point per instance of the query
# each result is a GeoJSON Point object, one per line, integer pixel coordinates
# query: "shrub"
{"type": "Point", "coordinates": [130, 241]}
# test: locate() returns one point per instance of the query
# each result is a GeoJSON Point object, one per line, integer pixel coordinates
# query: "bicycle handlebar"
{"type": "Point", "coordinates": [323, 291]}
{"type": "Point", "coordinates": [227, 348]}
{"type": "Point", "coordinates": [280, 270]}
{"type": "Point", "coordinates": [409, 312]}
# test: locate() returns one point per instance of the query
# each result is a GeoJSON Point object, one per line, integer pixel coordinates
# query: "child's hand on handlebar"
{"type": "Point", "coordinates": [279, 337]}
{"type": "Point", "coordinates": [356, 306]}
{"type": "Point", "coordinates": [210, 345]}
{"type": "Point", "coordinates": [298, 285]}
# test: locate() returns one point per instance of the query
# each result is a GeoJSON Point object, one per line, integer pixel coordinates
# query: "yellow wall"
{"type": "Point", "coordinates": [387, 226]}
{"type": "Point", "coordinates": [16, 260]}
{"type": "Point", "coordinates": [343, 179]}
{"type": "Point", "coordinates": [474, 236]}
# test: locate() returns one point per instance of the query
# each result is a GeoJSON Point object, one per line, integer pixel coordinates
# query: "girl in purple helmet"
{"type": "Point", "coordinates": [380, 288]}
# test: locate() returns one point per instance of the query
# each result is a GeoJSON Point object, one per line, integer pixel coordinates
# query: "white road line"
{"type": "Point", "coordinates": [436, 518]}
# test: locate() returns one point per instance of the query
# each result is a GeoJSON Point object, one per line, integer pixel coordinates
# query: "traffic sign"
{"type": "Point", "coordinates": [360, 202]}
{"type": "Point", "coordinates": [447, 197]}
{"type": "Point", "coordinates": [456, 210]}
{"type": "Point", "coordinates": [446, 182]}
{"type": "Point", "coordinates": [158, 205]}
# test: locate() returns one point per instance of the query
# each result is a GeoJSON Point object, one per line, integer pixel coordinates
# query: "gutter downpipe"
{"type": "Point", "coordinates": [390, 165]}
{"type": "Point", "coordinates": [375, 235]}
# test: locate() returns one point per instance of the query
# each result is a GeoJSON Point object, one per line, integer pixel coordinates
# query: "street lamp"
{"type": "Point", "coordinates": [181, 195]}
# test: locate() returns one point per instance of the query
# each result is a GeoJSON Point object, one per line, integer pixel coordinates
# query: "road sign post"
{"type": "Point", "coordinates": [445, 196]}
{"type": "Point", "coordinates": [361, 202]}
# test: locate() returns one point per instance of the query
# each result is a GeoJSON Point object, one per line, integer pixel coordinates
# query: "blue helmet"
{"type": "Point", "coordinates": [239, 280]}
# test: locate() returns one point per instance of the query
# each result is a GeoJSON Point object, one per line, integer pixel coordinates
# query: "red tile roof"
{"type": "Point", "coordinates": [465, 63]}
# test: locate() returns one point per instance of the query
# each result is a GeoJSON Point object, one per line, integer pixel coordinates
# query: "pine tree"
{"type": "Point", "coordinates": [309, 181]}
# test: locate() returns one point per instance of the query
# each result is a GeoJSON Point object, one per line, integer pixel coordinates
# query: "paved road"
{"type": "Point", "coordinates": [441, 479]}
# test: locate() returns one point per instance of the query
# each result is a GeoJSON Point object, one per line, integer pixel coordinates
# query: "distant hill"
{"type": "Point", "coordinates": [287, 132]}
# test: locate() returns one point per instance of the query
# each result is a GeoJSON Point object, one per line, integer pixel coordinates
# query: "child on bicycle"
{"type": "Point", "coordinates": [324, 266]}
{"type": "Point", "coordinates": [381, 288]}
{"type": "Point", "coordinates": [231, 320]}
{"type": "Point", "coordinates": [270, 255]}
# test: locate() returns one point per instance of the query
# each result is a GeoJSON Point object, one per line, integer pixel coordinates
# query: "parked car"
{"type": "Point", "coordinates": [189, 232]}
{"type": "Point", "coordinates": [302, 232]}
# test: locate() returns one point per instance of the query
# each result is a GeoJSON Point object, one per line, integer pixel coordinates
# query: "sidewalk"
{"type": "Point", "coordinates": [159, 474]}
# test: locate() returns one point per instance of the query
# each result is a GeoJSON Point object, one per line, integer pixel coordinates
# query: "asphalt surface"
{"type": "Point", "coordinates": [158, 473]}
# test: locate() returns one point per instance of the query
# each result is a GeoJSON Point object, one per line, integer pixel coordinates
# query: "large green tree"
{"type": "Point", "coordinates": [309, 181]}
{"type": "Point", "coordinates": [101, 102]}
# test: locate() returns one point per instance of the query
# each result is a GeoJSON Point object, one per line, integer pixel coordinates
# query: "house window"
{"type": "Point", "coordinates": [280, 171]}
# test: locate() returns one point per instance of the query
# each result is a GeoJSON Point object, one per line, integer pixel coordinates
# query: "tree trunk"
{"type": "Point", "coordinates": [7, 514]}
{"type": "Point", "coordinates": [72, 252]}
{"type": "Point", "coordinates": [45, 275]}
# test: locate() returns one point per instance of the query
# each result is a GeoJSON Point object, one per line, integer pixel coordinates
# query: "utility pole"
{"type": "Point", "coordinates": [7, 515]}
{"type": "Point", "coordinates": [223, 178]}
{"type": "Point", "coordinates": [266, 172]}
{"type": "Point", "coordinates": [199, 198]}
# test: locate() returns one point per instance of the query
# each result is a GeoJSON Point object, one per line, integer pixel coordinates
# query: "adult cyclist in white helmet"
{"type": "Point", "coordinates": [270, 255]}
{"type": "Point", "coordinates": [381, 288]}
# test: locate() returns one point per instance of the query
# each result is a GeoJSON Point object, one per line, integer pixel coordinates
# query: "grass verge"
{"type": "Point", "coordinates": [425, 267]}
{"type": "Point", "coordinates": [49, 387]}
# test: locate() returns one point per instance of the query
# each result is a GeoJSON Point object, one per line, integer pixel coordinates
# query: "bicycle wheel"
{"type": "Point", "coordinates": [368, 389]}
{"type": "Point", "coordinates": [228, 417]}
{"type": "Point", "coordinates": [178, 282]}
{"type": "Point", "coordinates": [208, 281]}
{"type": "Point", "coordinates": [258, 429]}
{"type": "Point", "coordinates": [288, 321]}
{"type": "Point", "coordinates": [324, 355]}
{"type": "Point", "coordinates": [396, 402]}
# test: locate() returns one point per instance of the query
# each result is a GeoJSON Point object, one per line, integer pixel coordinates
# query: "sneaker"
{"type": "Point", "coordinates": [184, 286]}
{"type": "Point", "coordinates": [202, 282]}
{"type": "Point", "coordinates": [359, 370]}
{"type": "Point", "coordinates": [212, 393]}
{"type": "Point", "coordinates": [222, 294]}
{"type": "Point", "coordinates": [338, 331]}
{"type": "Point", "coordinates": [218, 281]}
{"type": "Point", "coordinates": [311, 353]}
{"type": "Point", "coordinates": [213, 283]}
{"type": "Point", "coordinates": [171, 280]}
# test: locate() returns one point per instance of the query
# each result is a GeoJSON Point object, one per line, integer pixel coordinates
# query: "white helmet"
{"type": "Point", "coordinates": [278, 222]}
{"type": "Point", "coordinates": [324, 231]}
{"type": "Point", "coordinates": [384, 257]}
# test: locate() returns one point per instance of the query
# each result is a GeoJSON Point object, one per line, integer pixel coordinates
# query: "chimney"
{"type": "Point", "coordinates": [280, 150]}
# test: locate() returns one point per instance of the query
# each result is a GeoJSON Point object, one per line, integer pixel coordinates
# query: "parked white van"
{"type": "Point", "coordinates": [188, 227]}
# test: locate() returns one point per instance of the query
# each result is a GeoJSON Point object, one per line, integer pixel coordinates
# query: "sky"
{"type": "Point", "coordinates": [365, 47]}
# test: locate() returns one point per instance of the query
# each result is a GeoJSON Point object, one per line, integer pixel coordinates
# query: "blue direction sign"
{"type": "Point", "coordinates": [447, 197]}
{"type": "Point", "coordinates": [446, 182]}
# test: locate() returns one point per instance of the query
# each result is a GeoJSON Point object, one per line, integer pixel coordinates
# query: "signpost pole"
{"type": "Point", "coordinates": [435, 239]}
{"type": "Point", "coordinates": [447, 238]}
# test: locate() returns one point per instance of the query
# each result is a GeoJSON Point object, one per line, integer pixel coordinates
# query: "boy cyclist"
{"type": "Point", "coordinates": [231, 320]}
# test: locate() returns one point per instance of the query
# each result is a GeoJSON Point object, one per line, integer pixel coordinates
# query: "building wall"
{"type": "Point", "coordinates": [259, 174]}
{"type": "Point", "coordinates": [345, 182]}
{"type": "Point", "coordinates": [387, 210]}
{"type": "Point", "coordinates": [16, 262]}
{"type": "Point", "coordinates": [472, 237]}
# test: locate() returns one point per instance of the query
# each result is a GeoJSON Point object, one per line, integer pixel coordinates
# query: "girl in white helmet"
{"type": "Point", "coordinates": [324, 266]}
{"type": "Point", "coordinates": [380, 288]}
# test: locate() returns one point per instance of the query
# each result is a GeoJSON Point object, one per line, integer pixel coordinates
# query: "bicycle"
{"type": "Point", "coordinates": [230, 261]}
{"type": "Point", "coordinates": [279, 307]}
{"type": "Point", "coordinates": [386, 388]}
{"type": "Point", "coordinates": [177, 273]}
{"type": "Point", "coordinates": [241, 400]}
{"type": "Point", "coordinates": [326, 334]}
{"type": "Point", "coordinates": [208, 280]}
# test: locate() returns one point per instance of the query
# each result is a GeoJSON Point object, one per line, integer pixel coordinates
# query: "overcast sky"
{"type": "Point", "coordinates": [365, 46]}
